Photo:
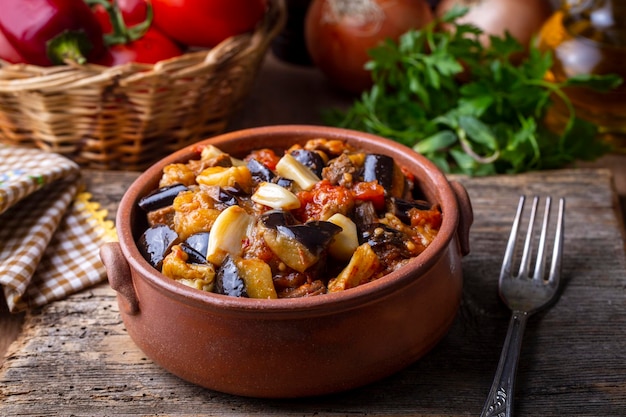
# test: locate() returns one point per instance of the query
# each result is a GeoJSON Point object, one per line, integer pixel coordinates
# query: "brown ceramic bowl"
{"type": "Point", "coordinates": [293, 347]}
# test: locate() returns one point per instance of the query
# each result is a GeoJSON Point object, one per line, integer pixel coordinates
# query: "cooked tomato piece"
{"type": "Point", "coordinates": [324, 200]}
{"type": "Point", "coordinates": [370, 191]}
{"type": "Point", "coordinates": [432, 218]}
{"type": "Point", "coordinates": [265, 156]}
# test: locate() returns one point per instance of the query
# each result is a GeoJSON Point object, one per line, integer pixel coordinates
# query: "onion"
{"type": "Point", "coordinates": [339, 34]}
{"type": "Point", "coordinates": [521, 18]}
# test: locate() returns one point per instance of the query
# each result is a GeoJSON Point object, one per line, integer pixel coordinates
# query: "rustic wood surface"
{"type": "Point", "coordinates": [74, 357]}
{"type": "Point", "coordinates": [286, 94]}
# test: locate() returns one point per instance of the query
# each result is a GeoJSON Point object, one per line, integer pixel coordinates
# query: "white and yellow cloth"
{"type": "Point", "coordinates": [50, 233]}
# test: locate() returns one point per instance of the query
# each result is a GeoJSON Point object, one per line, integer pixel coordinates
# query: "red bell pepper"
{"type": "Point", "coordinates": [8, 52]}
{"type": "Point", "coordinates": [48, 32]}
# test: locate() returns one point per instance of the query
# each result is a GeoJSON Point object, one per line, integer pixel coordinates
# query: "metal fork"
{"type": "Point", "coordinates": [525, 293]}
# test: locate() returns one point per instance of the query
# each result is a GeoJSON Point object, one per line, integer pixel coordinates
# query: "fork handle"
{"type": "Point", "coordinates": [499, 403]}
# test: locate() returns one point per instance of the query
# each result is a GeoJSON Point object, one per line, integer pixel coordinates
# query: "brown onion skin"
{"type": "Point", "coordinates": [523, 19]}
{"type": "Point", "coordinates": [338, 46]}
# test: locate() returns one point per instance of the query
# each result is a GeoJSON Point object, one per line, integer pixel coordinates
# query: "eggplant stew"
{"type": "Point", "coordinates": [313, 219]}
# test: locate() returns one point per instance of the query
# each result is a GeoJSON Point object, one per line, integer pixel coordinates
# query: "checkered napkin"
{"type": "Point", "coordinates": [50, 231]}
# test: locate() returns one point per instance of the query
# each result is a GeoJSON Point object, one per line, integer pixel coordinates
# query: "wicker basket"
{"type": "Point", "coordinates": [129, 116]}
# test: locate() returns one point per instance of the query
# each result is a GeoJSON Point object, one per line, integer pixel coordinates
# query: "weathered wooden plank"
{"type": "Point", "coordinates": [10, 326]}
{"type": "Point", "coordinates": [75, 358]}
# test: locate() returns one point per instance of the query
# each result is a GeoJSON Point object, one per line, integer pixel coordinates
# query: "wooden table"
{"type": "Point", "coordinates": [73, 357]}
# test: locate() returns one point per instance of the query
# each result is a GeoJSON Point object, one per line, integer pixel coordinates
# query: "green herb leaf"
{"type": "Point", "coordinates": [471, 109]}
{"type": "Point", "coordinates": [437, 142]}
{"type": "Point", "coordinates": [597, 82]}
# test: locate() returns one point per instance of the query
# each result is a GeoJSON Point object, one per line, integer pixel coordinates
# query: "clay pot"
{"type": "Point", "coordinates": [293, 347]}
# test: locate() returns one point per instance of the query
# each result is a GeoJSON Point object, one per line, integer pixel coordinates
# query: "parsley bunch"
{"type": "Point", "coordinates": [471, 109]}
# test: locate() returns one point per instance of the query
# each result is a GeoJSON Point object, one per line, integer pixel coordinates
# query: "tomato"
{"type": "Point", "coordinates": [149, 49]}
{"type": "Point", "coordinates": [129, 34]}
{"type": "Point", "coordinates": [339, 34]}
{"type": "Point", "coordinates": [134, 12]}
{"type": "Point", "coordinates": [206, 23]}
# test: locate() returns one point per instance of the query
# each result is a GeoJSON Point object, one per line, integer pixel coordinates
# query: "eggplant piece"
{"type": "Point", "coordinates": [315, 236]}
{"type": "Point", "coordinates": [290, 252]}
{"type": "Point", "coordinates": [176, 266]}
{"type": "Point", "coordinates": [400, 208]}
{"type": "Point", "coordinates": [235, 190]}
{"type": "Point", "coordinates": [389, 175]}
{"type": "Point", "coordinates": [365, 215]}
{"type": "Point", "coordinates": [224, 197]}
{"type": "Point", "coordinates": [161, 197]}
{"type": "Point", "coordinates": [379, 168]}
{"type": "Point", "coordinates": [274, 218]}
{"type": "Point", "coordinates": [257, 277]}
{"type": "Point", "coordinates": [228, 280]}
{"type": "Point", "coordinates": [199, 242]}
{"type": "Point", "coordinates": [193, 256]}
{"type": "Point", "coordinates": [260, 173]}
{"type": "Point", "coordinates": [155, 243]}
{"type": "Point", "coordinates": [310, 159]}
{"type": "Point", "coordinates": [299, 246]}
{"type": "Point", "coordinates": [387, 242]}
{"type": "Point", "coordinates": [284, 182]}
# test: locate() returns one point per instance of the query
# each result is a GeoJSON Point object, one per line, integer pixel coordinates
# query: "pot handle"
{"type": "Point", "coordinates": [466, 216]}
{"type": "Point", "coordinates": [119, 276]}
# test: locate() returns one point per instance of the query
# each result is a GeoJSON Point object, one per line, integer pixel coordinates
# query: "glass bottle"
{"type": "Point", "coordinates": [589, 37]}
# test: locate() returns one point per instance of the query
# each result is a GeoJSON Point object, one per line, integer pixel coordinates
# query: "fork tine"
{"type": "Point", "coordinates": [557, 253]}
{"type": "Point", "coordinates": [507, 262]}
{"type": "Point", "coordinates": [540, 264]}
{"type": "Point", "coordinates": [527, 253]}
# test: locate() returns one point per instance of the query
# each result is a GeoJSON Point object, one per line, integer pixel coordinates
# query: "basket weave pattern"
{"type": "Point", "coordinates": [129, 116]}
